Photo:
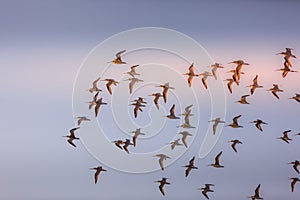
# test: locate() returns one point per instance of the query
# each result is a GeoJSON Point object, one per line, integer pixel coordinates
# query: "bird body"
{"type": "Point", "coordinates": [118, 60]}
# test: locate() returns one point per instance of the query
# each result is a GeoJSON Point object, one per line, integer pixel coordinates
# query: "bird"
{"type": "Point", "coordinates": [256, 194]}
{"type": "Point", "coordinates": [206, 189]}
{"type": "Point", "coordinates": [137, 107]}
{"type": "Point", "coordinates": [184, 134]}
{"type": "Point", "coordinates": [156, 98]}
{"type": "Point", "coordinates": [293, 183]}
{"type": "Point", "coordinates": [274, 90]}
{"type": "Point", "coordinates": [81, 119]}
{"type": "Point", "coordinates": [132, 71]}
{"type": "Point", "coordinates": [94, 101]}
{"type": "Point", "coordinates": [136, 132]}
{"type": "Point", "coordinates": [162, 183]}
{"type": "Point", "coordinates": [240, 64]}
{"type": "Point", "coordinates": [175, 143]}
{"type": "Point", "coordinates": [162, 158]}
{"type": "Point", "coordinates": [72, 136]}
{"type": "Point", "coordinates": [172, 113]}
{"type": "Point", "coordinates": [243, 99]}
{"type": "Point", "coordinates": [190, 166]}
{"type": "Point", "coordinates": [118, 59]}
{"type": "Point", "coordinates": [298, 134]}
{"type": "Point", "coordinates": [186, 124]}
{"type": "Point", "coordinates": [118, 143]}
{"type": "Point", "coordinates": [191, 75]}
{"type": "Point", "coordinates": [187, 110]}
{"type": "Point", "coordinates": [285, 136]}
{"type": "Point", "coordinates": [214, 69]}
{"type": "Point", "coordinates": [205, 75]}
{"type": "Point", "coordinates": [98, 169]}
{"type": "Point", "coordinates": [216, 121]}
{"type": "Point", "coordinates": [254, 85]}
{"type": "Point", "coordinates": [296, 97]}
{"type": "Point", "coordinates": [109, 83]}
{"type": "Point", "coordinates": [285, 70]}
{"type": "Point", "coordinates": [99, 102]}
{"type": "Point", "coordinates": [287, 55]}
{"type": "Point", "coordinates": [166, 88]}
{"type": "Point", "coordinates": [95, 86]}
{"type": "Point", "coordinates": [234, 143]}
{"type": "Point", "coordinates": [140, 100]}
{"type": "Point", "coordinates": [229, 84]}
{"type": "Point", "coordinates": [217, 161]}
{"type": "Point", "coordinates": [295, 164]}
{"type": "Point", "coordinates": [132, 82]}
{"type": "Point", "coordinates": [126, 144]}
{"type": "Point", "coordinates": [258, 123]}
{"type": "Point", "coordinates": [235, 123]}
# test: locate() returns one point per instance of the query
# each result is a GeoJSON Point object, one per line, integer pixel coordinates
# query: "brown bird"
{"type": "Point", "coordinates": [126, 144]}
{"type": "Point", "coordinates": [118, 59]}
{"type": "Point", "coordinates": [214, 69]}
{"type": "Point", "coordinates": [285, 70]}
{"type": "Point", "coordinates": [293, 183]}
{"type": "Point", "coordinates": [156, 98]}
{"type": "Point", "coordinates": [256, 194]}
{"type": "Point", "coordinates": [274, 90]}
{"type": "Point", "coordinates": [234, 76]}
{"type": "Point", "coordinates": [132, 71]}
{"type": "Point", "coordinates": [287, 55]}
{"type": "Point", "coordinates": [191, 74]}
{"type": "Point", "coordinates": [296, 97]}
{"type": "Point", "coordinates": [216, 121]}
{"type": "Point", "coordinates": [95, 86]}
{"type": "Point", "coordinates": [136, 132]}
{"type": "Point", "coordinates": [98, 169]}
{"type": "Point", "coordinates": [109, 83]}
{"type": "Point", "coordinates": [217, 161]}
{"type": "Point", "coordinates": [190, 166]}
{"type": "Point", "coordinates": [285, 136]}
{"type": "Point", "coordinates": [235, 123]}
{"type": "Point", "coordinates": [166, 88]}
{"type": "Point", "coordinates": [138, 104]}
{"type": "Point", "coordinates": [238, 69]}
{"type": "Point", "coordinates": [254, 85]}
{"type": "Point", "coordinates": [118, 143]}
{"type": "Point", "coordinates": [162, 182]}
{"type": "Point", "coordinates": [205, 75]}
{"type": "Point", "coordinates": [99, 102]}
{"type": "Point", "coordinates": [258, 123]}
{"type": "Point", "coordinates": [234, 143]}
{"type": "Point", "coordinates": [72, 137]}
{"type": "Point", "coordinates": [206, 189]}
{"type": "Point", "coordinates": [229, 84]}
{"type": "Point", "coordinates": [295, 164]}
{"type": "Point", "coordinates": [185, 134]}
{"type": "Point", "coordinates": [81, 119]}
{"type": "Point", "coordinates": [243, 99]}
{"type": "Point", "coordinates": [172, 113]}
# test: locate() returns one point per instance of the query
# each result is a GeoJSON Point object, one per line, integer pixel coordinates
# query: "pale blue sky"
{"type": "Point", "coordinates": [43, 44]}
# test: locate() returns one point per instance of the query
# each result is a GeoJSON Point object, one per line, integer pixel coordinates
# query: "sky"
{"type": "Point", "coordinates": [43, 48]}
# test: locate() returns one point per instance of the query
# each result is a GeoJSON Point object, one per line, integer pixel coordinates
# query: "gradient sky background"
{"type": "Point", "coordinates": [42, 47]}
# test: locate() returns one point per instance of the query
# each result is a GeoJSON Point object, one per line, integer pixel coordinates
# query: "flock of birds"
{"type": "Point", "coordinates": [140, 103]}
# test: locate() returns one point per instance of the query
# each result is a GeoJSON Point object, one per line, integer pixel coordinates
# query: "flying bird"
{"type": "Point", "coordinates": [172, 113]}
{"type": "Point", "coordinates": [156, 98]}
{"type": "Point", "coordinates": [132, 82]}
{"type": "Point", "coordinates": [256, 194]}
{"type": "Point", "coordinates": [217, 161]}
{"type": "Point", "coordinates": [216, 122]}
{"type": "Point", "coordinates": [132, 71]}
{"type": "Point", "coordinates": [162, 158]}
{"type": "Point", "coordinates": [118, 60]}
{"type": "Point", "coordinates": [296, 97]}
{"type": "Point", "coordinates": [234, 143]}
{"type": "Point", "coordinates": [138, 105]}
{"type": "Point", "coordinates": [235, 123]}
{"type": "Point", "coordinates": [72, 136]}
{"type": "Point", "coordinates": [175, 143]}
{"type": "Point", "coordinates": [81, 119]}
{"type": "Point", "coordinates": [214, 69]}
{"type": "Point", "coordinates": [191, 74]}
{"type": "Point", "coordinates": [118, 143]}
{"type": "Point", "coordinates": [274, 90]}
{"type": "Point", "coordinates": [243, 99]}
{"type": "Point", "coordinates": [136, 132]}
{"type": "Point", "coordinates": [287, 55]}
{"type": "Point", "coordinates": [185, 134]}
{"type": "Point", "coordinates": [109, 83]}
{"type": "Point", "coordinates": [285, 70]}
{"type": "Point", "coordinates": [162, 183]}
{"type": "Point", "coordinates": [126, 144]}
{"type": "Point", "coordinates": [293, 183]}
{"type": "Point", "coordinates": [99, 102]}
{"type": "Point", "coordinates": [295, 164]}
{"type": "Point", "coordinates": [206, 189]}
{"type": "Point", "coordinates": [205, 75]}
{"type": "Point", "coordinates": [166, 88]}
{"type": "Point", "coordinates": [285, 136]}
{"type": "Point", "coordinates": [98, 169]}
{"type": "Point", "coordinates": [258, 124]}
{"type": "Point", "coordinates": [95, 86]}
{"type": "Point", "coordinates": [254, 85]}
{"type": "Point", "coordinates": [190, 166]}
{"type": "Point", "coordinates": [238, 69]}
{"type": "Point", "coordinates": [94, 101]}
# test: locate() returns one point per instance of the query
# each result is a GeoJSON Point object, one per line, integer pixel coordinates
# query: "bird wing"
{"type": "Point", "coordinates": [131, 84]}
{"type": "Point", "coordinates": [229, 85]}
{"type": "Point", "coordinates": [192, 161]}
{"type": "Point", "coordinates": [293, 184]}
{"type": "Point", "coordinates": [184, 141]}
{"type": "Point", "coordinates": [205, 194]}
{"type": "Point", "coordinates": [217, 159]}
{"type": "Point", "coordinates": [191, 68]}
{"type": "Point", "coordinates": [214, 72]}
{"type": "Point", "coordinates": [257, 191]}
{"type": "Point", "coordinates": [97, 109]}
{"type": "Point", "coordinates": [234, 146]}
{"type": "Point", "coordinates": [190, 81]}
{"type": "Point", "coordinates": [165, 91]}
{"type": "Point", "coordinates": [134, 140]}
{"type": "Point", "coordinates": [172, 110]}
{"type": "Point", "coordinates": [71, 142]}
{"type": "Point", "coordinates": [118, 55]}
{"type": "Point", "coordinates": [135, 111]}
{"type": "Point", "coordinates": [255, 82]}
{"type": "Point", "coordinates": [161, 188]}
{"type": "Point", "coordinates": [187, 171]}
{"type": "Point", "coordinates": [204, 82]}
{"type": "Point", "coordinates": [235, 119]}
{"type": "Point", "coordinates": [296, 168]}
{"type": "Point", "coordinates": [258, 126]}
{"type": "Point", "coordinates": [161, 163]}
{"type": "Point", "coordinates": [275, 94]}
{"type": "Point", "coordinates": [108, 86]}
